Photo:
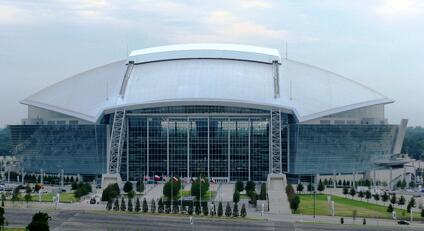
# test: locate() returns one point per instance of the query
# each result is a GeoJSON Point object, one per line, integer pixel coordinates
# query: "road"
{"type": "Point", "coordinates": [83, 220]}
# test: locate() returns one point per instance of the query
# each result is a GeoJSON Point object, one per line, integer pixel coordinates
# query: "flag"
{"type": "Point", "coordinates": [212, 180]}
{"type": "Point", "coordinates": [202, 180]}
{"type": "Point", "coordinates": [146, 178]}
{"type": "Point", "coordinates": [157, 178]}
{"type": "Point", "coordinates": [175, 179]}
{"type": "Point", "coordinates": [192, 180]}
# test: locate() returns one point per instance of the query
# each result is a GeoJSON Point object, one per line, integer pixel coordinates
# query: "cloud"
{"type": "Point", "coordinates": [395, 10]}
{"type": "Point", "coordinates": [12, 15]}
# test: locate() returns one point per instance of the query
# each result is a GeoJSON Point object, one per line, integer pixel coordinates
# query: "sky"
{"type": "Point", "coordinates": [377, 43]}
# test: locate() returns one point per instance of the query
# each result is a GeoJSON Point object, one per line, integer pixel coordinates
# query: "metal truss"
{"type": "Point", "coordinates": [117, 141]}
{"type": "Point", "coordinates": [276, 141]}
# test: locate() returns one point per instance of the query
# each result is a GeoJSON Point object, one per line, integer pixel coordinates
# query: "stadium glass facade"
{"type": "Point", "coordinates": [227, 143]}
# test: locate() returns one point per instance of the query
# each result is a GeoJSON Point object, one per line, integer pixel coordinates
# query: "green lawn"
{"type": "Point", "coordinates": [344, 207]}
{"type": "Point", "coordinates": [244, 196]}
{"type": "Point", "coordinates": [65, 197]}
{"type": "Point", "coordinates": [209, 195]}
{"type": "Point", "coordinates": [13, 229]}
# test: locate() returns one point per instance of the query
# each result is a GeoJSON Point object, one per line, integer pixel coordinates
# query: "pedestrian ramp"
{"type": "Point", "coordinates": [277, 197]}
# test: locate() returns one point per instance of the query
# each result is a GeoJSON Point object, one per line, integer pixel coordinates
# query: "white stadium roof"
{"type": "Point", "coordinates": [223, 74]}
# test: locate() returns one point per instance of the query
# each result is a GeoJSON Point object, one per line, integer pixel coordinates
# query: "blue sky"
{"type": "Point", "coordinates": [377, 43]}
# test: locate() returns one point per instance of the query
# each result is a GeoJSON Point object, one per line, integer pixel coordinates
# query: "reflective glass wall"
{"type": "Point", "coordinates": [190, 141]}
{"type": "Point", "coordinates": [77, 149]}
{"type": "Point", "coordinates": [328, 149]}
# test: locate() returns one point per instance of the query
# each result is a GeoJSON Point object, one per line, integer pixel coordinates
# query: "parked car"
{"type": "Point", "coordinates": [402, 222]}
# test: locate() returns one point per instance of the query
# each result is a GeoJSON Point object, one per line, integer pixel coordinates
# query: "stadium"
{"type": "Point", "coordinates": [225, 111]}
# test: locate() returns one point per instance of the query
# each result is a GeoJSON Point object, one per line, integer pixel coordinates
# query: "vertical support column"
{"type": "Point", "coordinates": [391, 179]}
{"type": "Point", "coordinates": [148, 147]}
{"type": "Point", "coordinates": [128, 153]}
{"type": "Point", "coordinates": [248, 144]}
{"type": "Point", "coordinates": [167, 147]}
{"type": "Point", "coordinates": [188, 147]}
{"type": "Point", "coordinates": [209, 153]}
{"type": "Point", "coordinates": [229, 151]}
{"type": "Point", "coordinates": [288, 147]}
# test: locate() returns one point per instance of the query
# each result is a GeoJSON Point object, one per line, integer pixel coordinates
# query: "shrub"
{"type": "Point", "coordinates": [110, 192]}
{"type": "Point", "coordinates": [235, 210]}
{"type": "Point", "coordinates": [190, 209]}
{"type": "Point", "coordinates": [109, 205]}
{"type": "Point", "coordinates": [140, 186]}
{"type": "Point", "coordinates": [290, 191]}
{"type": "Point", "coordinates": [239, 186]}
{"type": "Point", "coordinates": [153, 206]}
{"type": "Point", "coordinates": [137, 205]}
{"type": "Point", "coordinates": [236, 196]}
{"type": "Point", "coordinates": [116, 205]}
{"type": "Point", "coordinates": [128, 186]}
{"type": "Point", "coordinates": [299, 188]}
{"type": "Point", "coordinates": [250, 187]}
{"type": "Point", "coordinates": [393, 199]}
{"type": "Point", "coordinates": [205, 210]}
{"type": "Point", "coordinates": [83, 188]}
{"type": "Point", "coordinates": [220, 210]}
{"type": "Point", "coordinates": [123, 206]}
{"type": "Point", "coordinates": [195, 187]}
{"type": "Point", "coordinates": [243, 212]}
{"type": "Point", "coordinates": [172, 188]}
{"type": "Point", "coordinates": [352, 192]}
{"type": "Point", "coordinates": [321, 186]}
{"type": "Point", "coordinates": [160, 206]}
{"type": "Point", "coordinates": [145, 206]}
{"type": "Point", "coordinates": [228, 210]}
{"type": "Point", "coordinates": [390, 208]}
{"type": "Point", "coordinates": [197, 209]}
{"type": "Point", "coordinates": [401, 201]}
{"type": "Point", "coordinates": [130, 205]}
{"type": "Point", "coordinates": [294, 203]}
{"type": "Point", "coordinates": [40, 222]}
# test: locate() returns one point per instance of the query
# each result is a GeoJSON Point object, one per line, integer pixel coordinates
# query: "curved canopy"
{"type": "Point", "coordinates": [206, 73]}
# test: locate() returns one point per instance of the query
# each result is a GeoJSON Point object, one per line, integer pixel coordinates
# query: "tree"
{"type": "Point", "coordinates": [239, 186]}
{"type": "Point", "coordinates": [235, 210]}
{"type": "Point", "coordinates": [294, 203]}
{"type": "Point", "coordinates": [361, 194]}
{"type": "Point", "coordinates": [116, 205]}
{"type": "Point", "coordinates": [345, 191]}
{"type": "Point", "coordinates": [321, 186]}
{"type": "Point", "coordinates": [109, 205]}
{"type": "Point", "coordinates": [376, 197]}
{"type": "Point", "coordinates": [153, 206]}
{"type": "Point", "coordinates": [367, 195]}
{"type": "Point", "coordinates": [131, 194]}
{"type": "Point", "coordinates": [172, 188]}
{"type": "Point", "coordinates": [123, 206]}
{"type": "Point", "coordinates": [299, 188]}
{"type": "Point", "coordinates": [412, 184]}
{"type": "Point", "coordinates": [37, 187]}
{"type": "Point", "coordinates": [176, 208]}
{"type": "Point", "coordinates": [401, 201]}
{"type": "Point", "coordinates": [128, 186]}
{"type": "Point", "coordinates": [130, 205]}
{"type": "Point", "coordinates": [385, 197]}
{"type": "Point", "coordinates": [205, 210]}
{"type": "Point", "coordinates": [253, 198]}
{"type": "Point", "coordinates": [390, 208]}
{"type": "Point", "coordinates": [236, 196]}
{"type": "Point", "coordinates": [40, 222]}
{"type": "Point", "coordinates": [160, 206]}
{"type": "Point", "coordinates": [352, 192]}
{"type": "Point", "coordinates": [422, 212]}
{"type": "Point", "coordinates": [393, 199]}
{"type": "Point", "coordinates": [145, 206]}
{"type": "Point", "coordinates": [190, 209]}
{"type": "Point", "coordinates": [310, 187]}
{"type": "Point", "coordinates": [290, 191]}
{"type": "Point", "coordinates": [412, 202]}
{"type": "Point", "coordinates": [167, 207]}
{"type": "Point", "coordinates": [197, 209]}
{"type": "Point", "coordinates": [140, 186]}
{"type": "Point", "coordinates": [228, 210]}
{"type": "Point", "coordinates": [3, 198]}
{"type": "Point", "coordinates": [83, 188]}
{"type": "Point", "coordinates": [137, 205]}
{"type": "Point", "coordinates": [250, 187]}
{"type": "Point", "coordinates": [403, 184]}
{"type": "Point", "coordinates": [2, 218]}
{"type": "Point", "coordinates": [243, 212]}
{"type": "Point", "coordinates": [262, 194]}
{"type": "Point", "coordinates": [220, 210]}
{"type": "Point", "coordinates": [199, 184]}
{"type": "Point", "coordinates": [110, 192]}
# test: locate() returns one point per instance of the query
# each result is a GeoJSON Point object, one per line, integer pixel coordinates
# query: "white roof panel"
{"type": "Point", "coordinates": [222, 74]}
